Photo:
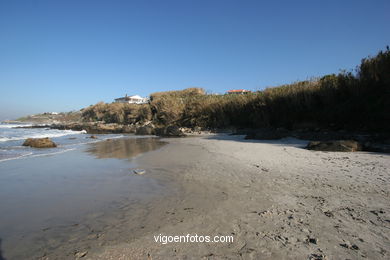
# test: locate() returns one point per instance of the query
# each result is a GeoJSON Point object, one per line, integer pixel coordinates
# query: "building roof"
{"type": "Point", "coordinates": [136, 97]}
{"type": "Point", "coordinates": [238, 90]}
{"type": "Point", "coordinates": [130, 97]}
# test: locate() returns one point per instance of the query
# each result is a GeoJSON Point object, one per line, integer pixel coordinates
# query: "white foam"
{"type": "Point", "coordinates": [48, 154]}
{"type": "Point", "coordinates": [30, 155]}
{"type": "Point", "coordinates": [14, 125]}
{"type": "Point", "coordinates": [42, 135]}
{"type": "Point", "coordinates": [17, 157]}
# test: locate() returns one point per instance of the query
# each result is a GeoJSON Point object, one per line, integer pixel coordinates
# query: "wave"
{"type": "Point", "coordinates": [42, 135]}
{"type": "Point", "coordinates": [31, 154]}
{"type": "Point", "coordinates": [14, 125]}
{"type": "Point", "coordinates": [16, 157]}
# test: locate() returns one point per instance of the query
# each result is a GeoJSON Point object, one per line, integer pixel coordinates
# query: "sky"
{"type": "Point", "coordinates": [65, 55]}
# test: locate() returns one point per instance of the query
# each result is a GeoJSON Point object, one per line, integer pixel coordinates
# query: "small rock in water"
{"type": "Point", "coordinates": [39, 143]}
{"type": "Point", "coordinates": [139, 171]}
{"type": "Point", "coordinates": [93, 137]}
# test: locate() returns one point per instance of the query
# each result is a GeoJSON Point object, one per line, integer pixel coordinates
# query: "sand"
{"type": "Point", "coordinates": [278, 200]}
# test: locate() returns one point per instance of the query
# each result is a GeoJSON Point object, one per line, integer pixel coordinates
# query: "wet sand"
{"type": "Point", "coordinates": [55, 206]}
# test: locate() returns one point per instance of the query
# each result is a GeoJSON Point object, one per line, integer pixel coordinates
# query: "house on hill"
{"type": "Point", "coordinates": [132, 99]}
{"type": "Point", "coordinates": [239, 91]}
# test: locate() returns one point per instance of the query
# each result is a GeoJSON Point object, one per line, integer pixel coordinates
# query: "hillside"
{"type": "Point", "coordinates": [52, 118]}
{"type": "Point", "coordinates": [350, 100]}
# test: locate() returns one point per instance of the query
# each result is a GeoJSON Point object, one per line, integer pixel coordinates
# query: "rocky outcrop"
{"type": "Point", "coordinates": [170, 131]}
{"type": "Point", "coordinates": [97, 128]}
{"type": "Point", "coordinates": [39, 143]}
{"type": "Point", "coordinates": [268, 134]}
{"type": "Point", "coordinates": [145, 130]}
{"type": "Point", "coordinates": [335, 146]}
{"type": "Point", "coordinates": [383, 147]}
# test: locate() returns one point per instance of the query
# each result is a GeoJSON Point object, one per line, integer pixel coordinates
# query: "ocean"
{"type": "Point", "coordinates": [12, 137]}
{"type": "Point", "coordinates": [54, 200]}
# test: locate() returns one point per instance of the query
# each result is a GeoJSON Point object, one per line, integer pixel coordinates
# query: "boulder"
{"type": "Point", "coordinates": [39, 143]}
{"type": "Point", "coordinates": [170, 131]}
{"type": "Point", "coordinates": [145, 130]}
{"type": "Point", "coordinates": [335, 146]}
{"type": "Point", "coordinates": [129, 129]}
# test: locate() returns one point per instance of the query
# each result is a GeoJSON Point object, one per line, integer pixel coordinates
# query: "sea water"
{"type": "Point", "coordinates": [53, 200]}
{"type": "Point", "coordinates": [12, 137]}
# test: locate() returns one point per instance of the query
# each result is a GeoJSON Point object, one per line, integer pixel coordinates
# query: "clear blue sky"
{"type": "Point", "coordinates": [65, 55]}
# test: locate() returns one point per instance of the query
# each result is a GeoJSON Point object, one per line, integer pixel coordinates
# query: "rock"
{"type": "Point", "coordinates": [129, 129]}
{"type": "Point", "coordinates": [268, 134]}
{"type": "Point", "coordinates": [39, 143]}
{"type": "Point", "coordinates": [93, 137]}
{"type": "Point", "coordinates": [376, 147]}
{"type": "Point", "coordinates": [317, 257]}
{"type": "Point", "coordinates": [170, 131]}
{"type": "Point", "coordinates": [139, 171]}
{"type": "Point", "coordinates": [335, 146]}
{"type": "Point", "coordinates": [173, 131]}
{"type": "Point", "coordinates": [96, 127]}
{"type": "Point", "coordinates": [145, 130]}
{"type": "Point", "coordinates": [80, 254]}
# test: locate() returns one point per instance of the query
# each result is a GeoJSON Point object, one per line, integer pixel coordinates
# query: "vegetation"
{"type": "Point", "coordinates": [121, 113]}
{"type": "Point", "coordinates": [357, 100]}
{"type": "Point", "coordinates": [48, 117]}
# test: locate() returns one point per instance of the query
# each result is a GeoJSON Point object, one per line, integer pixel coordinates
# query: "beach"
{"type": "Point", "coordinates": [277, 200]}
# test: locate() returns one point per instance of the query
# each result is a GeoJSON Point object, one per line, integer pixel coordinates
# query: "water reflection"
{"type": "Point", "coordinates": [124, 148]}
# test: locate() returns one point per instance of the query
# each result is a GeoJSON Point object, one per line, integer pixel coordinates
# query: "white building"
{"type": "Point", "coordinates": [132, 99]}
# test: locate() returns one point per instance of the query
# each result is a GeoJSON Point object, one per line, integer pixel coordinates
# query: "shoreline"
{"type": "Point", "coordinates": [59, 204]}
{"type": "Point", "coordinates": [278, 201]}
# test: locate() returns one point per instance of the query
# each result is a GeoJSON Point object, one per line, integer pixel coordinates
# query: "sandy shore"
{"type": "Point", "coordinates": [279, 201]}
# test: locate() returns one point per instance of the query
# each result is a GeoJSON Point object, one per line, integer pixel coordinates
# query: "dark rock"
{"type": "Point", "coordinates": [335, 146]}
{"type": "Point", "coordinates": [376, 147]}
{"type": "Point", "coordinates": [317, 257]}
{"type": "Point", "coordinates": [145, 130]}
{"type": "Point", "coordinates": [170, 131]}
{"type": "Point", "coordinates": [129, 129]}
{"type": "Point", "coordinates": [80, 254]}
{"type": "Point", "coordinates": [93, 137]}
{"type": "Point", "coordinates": [39, 143]}
{"type": "Point", "coordinates": [268, 134]}
{"type": "Point", "coordinates": [96, 127]}
{"type": "Point", "coordinates": [173, 131]}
